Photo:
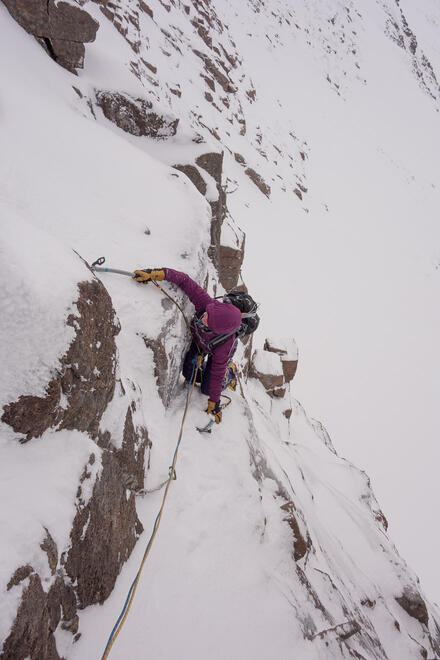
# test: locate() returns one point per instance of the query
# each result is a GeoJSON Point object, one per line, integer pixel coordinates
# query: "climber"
{"type": "Point", "coordinates": [213, 320]}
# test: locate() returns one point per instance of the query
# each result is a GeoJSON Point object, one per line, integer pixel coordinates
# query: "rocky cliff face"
{"type": "Point", "coordinates": [106, 526]}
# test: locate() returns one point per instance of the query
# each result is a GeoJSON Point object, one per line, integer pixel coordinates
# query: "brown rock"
{"type": "Point", "coordinates": [145, 8]}
{"type": "Point", "coordinates": [224, 81]}
{"type": "Point", "coordinates": [103, 535]}
{"type": "Point", "coordinates": [194, 176]}
{"type": "Point", "coordinates": [70, 23]}
{"type": "Point", "coordinates": [289, 365]}
{"type": "Point", "coordinates": [135, 115]}
{"type": "Point", "coordinates": [32, 415]}
{"type": "Point", "coordinates": [87, 376]}
{"type": "Point", "coordinates": [414, 605]}
{"type": "Point", "coordinates": [289, 369]}
{"type": "Point", "coordinates": [230, 262]}
{"type": "Point", "coordinates": [68, 54]}
{"type": "Point", "coordinates": [209, 82]}
{"type": "Point", "coordinates": [381, 518]}
{"type": "Point", "coordinates": [50, 548]}
{"type": "Point", "coordinates": [61, 28]}
{"type": "Point", "coordinates": [160, 365]}
{"type": "Point", "coordinates": [218, 214]}
{"type": "Point", "coordinates": [32, 15]}
{"type": "Point", "coordinates": [213, 164]}
{"type": "Point", "coordinates": [277, 393]}
{"type": "Point", "coordinates": [31, 635]}
{"type": "Point", "coordinates": [258, 180]}
{"type": "Point", "coordinates": [268, 381]}
{"type": "Point", "coordinates": [272, 382]}
{"type": "Point", "coordinates": [61, 604]}
{"type": "Point", "coordinates": [300, 544]}
{"type": "Point", "coordinates": [131, 456]}
{"type": "Point", "coordinates": [20, 574]}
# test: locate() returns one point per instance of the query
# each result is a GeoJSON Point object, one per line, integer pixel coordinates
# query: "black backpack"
{"type": "Point", "coordinates": [250, 319]}
{"type": "Point", "coordinates": [248, 307]}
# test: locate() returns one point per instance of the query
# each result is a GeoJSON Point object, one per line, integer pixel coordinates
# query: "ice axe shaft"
{"type": "Point", "coordinates": [112, 270]}
{"type": "Point", "coordinates": [96, 265]}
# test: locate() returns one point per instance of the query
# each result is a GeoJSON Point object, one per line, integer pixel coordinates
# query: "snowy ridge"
{"type": "Point", "coordinates": [271, 544]}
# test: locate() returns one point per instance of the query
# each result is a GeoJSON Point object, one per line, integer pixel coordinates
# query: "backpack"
{"type": "Point", "coordinates": [248, 308]}
{"type": "Point", "coordinates": [250, 319]}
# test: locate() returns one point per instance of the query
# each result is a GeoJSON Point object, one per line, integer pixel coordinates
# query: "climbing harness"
{"type": "Point", "coordinates": [131, 592]}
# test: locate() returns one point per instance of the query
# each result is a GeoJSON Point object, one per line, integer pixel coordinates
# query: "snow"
{"type": "Point", "coordinates": [286, 346]}
{"type": "Point", "coordinates": [35, 299]}
{"type": "Point", "coordinates": [351, 271]}
{"type": "Point", "coordinates": [267, 363]}
{"type": "Point", "coordinates": [38, 487]}
{"type": "Point", "coordinates": [229, 236]}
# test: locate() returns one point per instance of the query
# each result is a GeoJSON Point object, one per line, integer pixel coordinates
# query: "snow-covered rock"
{"type": "Point", "coordinates": [288, 352]}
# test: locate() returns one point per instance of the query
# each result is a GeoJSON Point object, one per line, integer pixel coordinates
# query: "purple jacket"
{"type": "Point", "coordinates": [223, 318]}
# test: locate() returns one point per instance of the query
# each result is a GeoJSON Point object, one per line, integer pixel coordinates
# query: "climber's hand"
{"type": "Point", "coordinates": [214, 410]}
{"type": "Point", "coordinates": [147, 274]}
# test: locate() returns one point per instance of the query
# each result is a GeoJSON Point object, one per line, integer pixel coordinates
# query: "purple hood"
{"type": "Point", "coordinates": [223, 318]}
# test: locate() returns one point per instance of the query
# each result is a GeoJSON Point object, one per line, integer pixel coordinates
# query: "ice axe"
{"type": "Point", "coordinates": [207, 428]}
{"type": "Point", "coordinates": [96, 265]}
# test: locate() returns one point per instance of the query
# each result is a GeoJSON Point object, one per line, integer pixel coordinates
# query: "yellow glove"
{"type": "Point", "coordinates": [143, 276]}
{"type": "Point", "coordinates": [214, 410]}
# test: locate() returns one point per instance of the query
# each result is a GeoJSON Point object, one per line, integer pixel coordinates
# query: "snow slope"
{"type": "Point", "coordinates": [223, 576]}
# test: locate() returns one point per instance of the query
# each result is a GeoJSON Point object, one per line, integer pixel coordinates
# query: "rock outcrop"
{"type": "Point", "coordinates": [267, 368]}
{"type": "Point", "coordinates": [38, 616]}
{"type": "Point", "coordinates": [275, 366]}
{"type": "Point", "coordinates": [288, 352]}
{"type": "Point", "coordinates": [414, 605]}
{"type": "Point", "coordinates": [230, 262]}
{"type": "Point", "coordinates": [61, 28]}
{"type": "Point", "coordinates": [135, 115]}
{"type": "Point", "coordinates": [106, 527]}
{"type": "Point", "coordinates": [103, 536]}
{"type": "Point", "coordinates": [226, 254]}
{"type": "Point", "coordinates": [78, 395]}
{"type": "Point", "coordinates": [213, 164]}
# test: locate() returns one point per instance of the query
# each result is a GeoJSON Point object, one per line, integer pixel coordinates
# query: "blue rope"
{"type": "Point", "coordinates": [172, 472]}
